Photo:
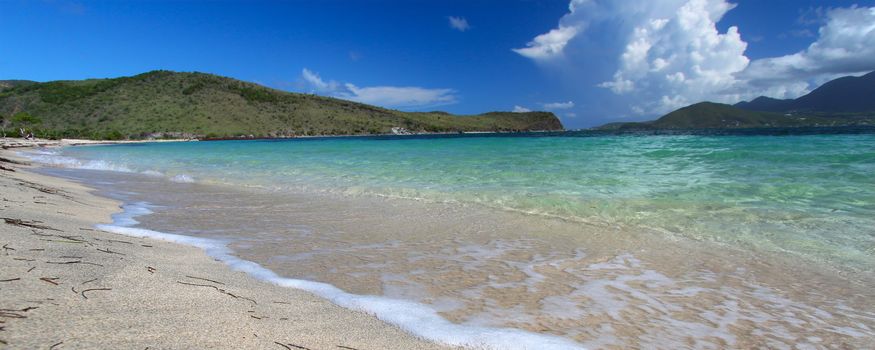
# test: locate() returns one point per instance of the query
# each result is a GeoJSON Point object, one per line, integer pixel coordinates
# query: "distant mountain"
{"type": "Point", "coordinates": [198, 104]}
{"type": "Point", "coordinates": [840, 102]}
{"type": "Point", "coordinates": [707, 115]}
{"type": "Point", "coordinates": [842, 95]}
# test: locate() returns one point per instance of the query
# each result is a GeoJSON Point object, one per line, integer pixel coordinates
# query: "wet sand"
{"type": "Point", "coordinates": [604, 287]}
{"type": "Point", "coordinates": [65, 285]}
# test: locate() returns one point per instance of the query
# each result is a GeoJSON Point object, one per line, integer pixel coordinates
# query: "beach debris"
{"type": "Point", "coordinates": [13, 313]}
{"type": "Point", "coordinates": [118, 241]}
{"type": "Point", "coordinates": [50, 280]}
{"type": "Point", "coordinates": [91, 290]}
{"type": "Point", "coordinates": [6, 248]}
{"type": "Point", "coordinates": [55, 345]}
{"type": "Point", "coordinates": [11, 279]}
{"type": "Point", "coordinates": [109, 251]}
{"type": "Point", "coordinates": [220, 290]}
{"type": "Point", "coordinates": [150, 269]}
{"type": "Point", "coordinates": [89, 281]}
{"type": "Point", "coordinates": [13, 161]}
{"type": "Point", "coordinates": [73, 262]}
{"type": "Point", "coordinates": [7, 169]}
{"type": "Point", "coordinates": [31, 268]}
{"type": "Point", "coordinates": [290, 346]}
{"type": "Point", "coordinates": [31, 224]}
{"type": "Point", "coordinates": [205, 279]}
{"type": "Point", "coordinates": [346, 347]}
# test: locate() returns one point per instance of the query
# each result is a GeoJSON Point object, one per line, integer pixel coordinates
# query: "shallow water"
{"type": "Point", "coordinates": [659, 241]}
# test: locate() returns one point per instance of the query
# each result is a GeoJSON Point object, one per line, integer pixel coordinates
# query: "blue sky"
{"type": "Point", "coordinates": [588, 61]}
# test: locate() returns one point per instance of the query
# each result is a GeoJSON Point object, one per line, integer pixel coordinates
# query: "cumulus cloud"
{"type": "Point", "coordinates": [520, 109]}
{"type": "Point", "coordinates": [548, 45]}
{"type": "Point", "coordinates": [557, 105]}
{"type": "Point", "coordinates": [845, 45]}
{"type": "Point", "coordinates": [459, 23]}
{"type": "Point", "coordinates": [387, 96]}
{"type": "Point", "coordinates": [671, 54]}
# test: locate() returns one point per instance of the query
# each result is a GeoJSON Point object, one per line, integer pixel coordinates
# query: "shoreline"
{"type": "Point", "coordinates": [777, 272]}
{"type": "Point", "coordinates": [65, 283]}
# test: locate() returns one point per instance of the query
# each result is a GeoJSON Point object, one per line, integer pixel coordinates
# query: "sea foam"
{"type": "Point", "coordinates": [416, 318]}
{"type": "Point", "coordinates": [54, 159]}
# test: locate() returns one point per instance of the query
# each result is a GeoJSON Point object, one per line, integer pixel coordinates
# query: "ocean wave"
{"type": "Point", "coordinates": [54, 159]}
{"type": "Point", "coordinates": [416, 318]}
{"type": "Point", "coordinates": [182, 178]}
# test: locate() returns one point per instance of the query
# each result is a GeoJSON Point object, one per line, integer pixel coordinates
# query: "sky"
{"type": "Point", "coordinates": [588, 61]}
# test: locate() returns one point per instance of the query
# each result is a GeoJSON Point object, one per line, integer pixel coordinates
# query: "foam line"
{"type": "Point", "coordinates": [416, 318]}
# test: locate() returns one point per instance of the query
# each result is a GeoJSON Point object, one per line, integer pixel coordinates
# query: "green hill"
{"type": "Point", "coordinates": [709, 115]}
{"type": "Point", "coordinates": [205, 105]}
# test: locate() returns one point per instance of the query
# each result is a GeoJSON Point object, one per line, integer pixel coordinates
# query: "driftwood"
{"type": "Point", "coordinates": [220, 290]}
{"type": "Point", "coordinates": [31, 224]}
{"type": "Point", "coordinates": [13, 161]}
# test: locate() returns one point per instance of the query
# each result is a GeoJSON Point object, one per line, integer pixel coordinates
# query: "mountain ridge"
{"type": "Point", "coordinates": [840, 102]}
{"type": "Point", "coordinates": [194, 104]}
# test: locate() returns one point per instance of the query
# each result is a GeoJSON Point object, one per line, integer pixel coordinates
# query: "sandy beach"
{"type": "Point", "coordinates": [64, 284]}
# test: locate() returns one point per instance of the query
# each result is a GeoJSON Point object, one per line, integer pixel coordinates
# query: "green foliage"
{"type": "Point", "coordinates": [25, 119]}
{"type": "Point", "coordinates": [203, 104]}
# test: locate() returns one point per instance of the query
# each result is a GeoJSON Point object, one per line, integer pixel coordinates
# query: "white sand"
{"type": "Point", "coordinates": [65, 285]}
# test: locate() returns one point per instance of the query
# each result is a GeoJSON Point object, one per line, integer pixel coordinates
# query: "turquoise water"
{"type": "Point", "coordinates": [811, 196]}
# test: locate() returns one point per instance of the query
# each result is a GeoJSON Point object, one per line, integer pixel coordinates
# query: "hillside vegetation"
{"type": "Point", "coordinates": [203, 105]}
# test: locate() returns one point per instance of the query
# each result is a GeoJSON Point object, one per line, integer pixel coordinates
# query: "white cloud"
{"type": "Point", "coordinates": [387, 96]}
{"type": "Point", "coordinates": [520, 109]}
{"type": "Point", "coordinates": [548, 45]}
{"type": "Point", "coordinates": [316, 82]}
{"type": "Point", "coordinates": [845, 45]}
{"type": "Point", "coordinates": [558, 105]}
{"type": "Point", "coordinates": [459, 23]}
{"type": "Point", "coordinates": [395, 96]}
{"type": "Point", "coordinates": [671, 54]}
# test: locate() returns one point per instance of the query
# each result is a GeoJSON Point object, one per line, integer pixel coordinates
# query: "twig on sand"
{"type": "Point", "coordinates": [150, 269]}
{"type": "Point", "coordinates": [49, 280]}
{"type": "Point", "coordinates": [7, 247]}
{"type": "Point", "coordinates": [91, 289]}
{"type": "Point", "coordinates": [73, 262]}
{"type": "Point", "coordinates": [109, 251]}
{"type": "Point", "coordinates": [31, 224]}
{"type": "Point", "coordinates": [11, 279]}
{"type": "Point", "coordinates": [205, 279]}
{"type": "Point", "coordinates": [89, 281]}
{"type": "Point", "coordinates": [118, 241]}
{"type": "Point", "coordinates": [346, 347]}
{"type": "Point", "coordinates": [220, 290]}
{"type": "Point", "coordinates": [290, 346]}
{"type": "Point", "coordinates": [55, 345]}
{"type": "Point", "coordinates": [283, 345]}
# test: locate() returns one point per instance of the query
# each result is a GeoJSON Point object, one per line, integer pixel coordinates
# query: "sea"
{"type": "Point", "coordinates": [692, 239]}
